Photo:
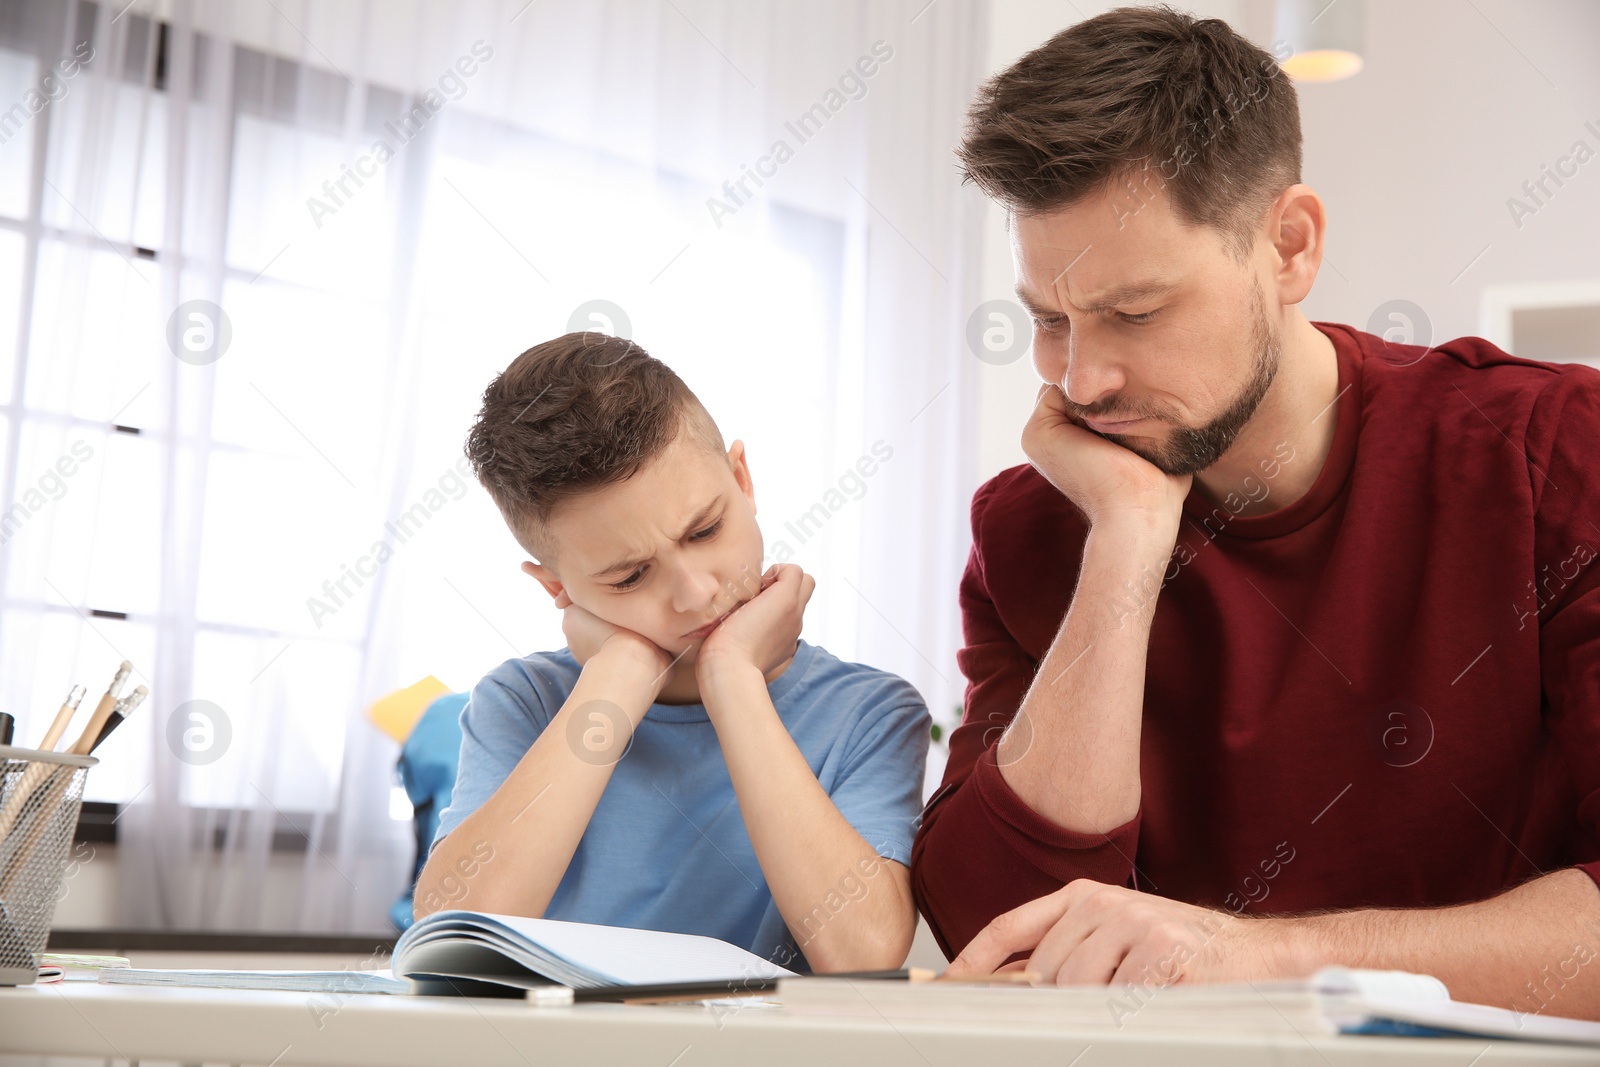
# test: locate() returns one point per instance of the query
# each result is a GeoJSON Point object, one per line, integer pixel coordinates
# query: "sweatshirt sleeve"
{"type": "Point", "coordinates": [1560, 443]}
{"type": "Point", "coordinates": [981, 850]}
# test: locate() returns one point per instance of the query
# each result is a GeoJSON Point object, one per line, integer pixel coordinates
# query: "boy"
{"type": "Point", "coordinates": [687, 763]}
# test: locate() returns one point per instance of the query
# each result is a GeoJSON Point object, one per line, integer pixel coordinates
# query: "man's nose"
{"type": "Point", "coordinates": [1089, 373]}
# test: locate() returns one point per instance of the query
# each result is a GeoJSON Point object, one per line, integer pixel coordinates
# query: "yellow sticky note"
{"type": "Point", "coordinates": [398, 712]}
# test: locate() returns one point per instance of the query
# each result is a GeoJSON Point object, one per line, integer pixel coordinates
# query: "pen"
{"type": "Point", "coordinates": [8, 727]}
{"type": "Point", "coordinates": [121, 711]}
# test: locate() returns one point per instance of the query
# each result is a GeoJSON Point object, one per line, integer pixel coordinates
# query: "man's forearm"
{"type": "Point", "coordinates": [848, 908]}
{"type": "Point", "coordinates": [1534, 949]}
{"type": "Point", "coordinates": [1072, 753]}
{"type": "Point", "coordinates": [532, 824]}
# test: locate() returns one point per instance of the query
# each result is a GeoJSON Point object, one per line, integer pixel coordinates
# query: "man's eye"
{"type": "Point", "coordinates": [1049, 325]}
{"type": "Point", "coordinates": [630, 581]}
{"type": "Point", "coordinates": [1140, 319]}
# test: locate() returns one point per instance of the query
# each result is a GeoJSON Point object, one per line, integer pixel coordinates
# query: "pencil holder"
{"type": "Point", "coordinates": [40, 796]}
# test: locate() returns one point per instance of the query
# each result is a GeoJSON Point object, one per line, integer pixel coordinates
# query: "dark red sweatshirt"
{"type": "Point", "coordinates": [1385, 694]}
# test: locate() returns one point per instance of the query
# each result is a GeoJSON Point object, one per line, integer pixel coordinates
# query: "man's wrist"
{"type": "Point", "coordinates": [1139, 530]}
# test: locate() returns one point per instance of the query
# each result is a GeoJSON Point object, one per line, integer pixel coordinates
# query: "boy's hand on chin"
{"type": "Point", "coordinates": [764, 630]}
{"type": "Point", "coordinates": [587, 633]}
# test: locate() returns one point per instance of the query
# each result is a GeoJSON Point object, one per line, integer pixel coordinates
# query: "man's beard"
{"type": "Point", "coordinates": [1188, 450]}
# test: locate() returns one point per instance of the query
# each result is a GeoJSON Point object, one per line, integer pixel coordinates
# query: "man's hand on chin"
{"type": "Point", "coordinates": [1089, 933]}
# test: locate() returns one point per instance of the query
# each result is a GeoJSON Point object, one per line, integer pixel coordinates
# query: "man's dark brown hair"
{"type": "Point", "coordinates": [575, 414]}
{"type": "Point", "coordinates": [1137, 100]}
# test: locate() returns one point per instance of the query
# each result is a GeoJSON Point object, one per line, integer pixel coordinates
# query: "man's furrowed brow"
{"type": "Point", "coordinates": [1117, 295]}
{"type": "Point", "coordinates": [625, 565]}
{"type": "Point", "coordinates": [1033, 306]}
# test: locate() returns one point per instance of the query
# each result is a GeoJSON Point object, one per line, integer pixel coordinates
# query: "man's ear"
{"type": "Point", "coordinates": [1299, 227]}
{"type": "Point", "coordinates": [544, 576]}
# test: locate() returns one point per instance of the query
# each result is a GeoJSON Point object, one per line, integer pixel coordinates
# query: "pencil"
{"type": "Point", "coordinates": [102, 711]}
{"type": "Point", "coordinates": [64, 716]}
{"type": "Point", "coordinates": [20, 793]}
{"type": "Point", "coordinates": [1005, 978]}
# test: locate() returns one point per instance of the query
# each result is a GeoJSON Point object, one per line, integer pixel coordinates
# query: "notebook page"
{"type": "Point", "coordinates": [620, 956]}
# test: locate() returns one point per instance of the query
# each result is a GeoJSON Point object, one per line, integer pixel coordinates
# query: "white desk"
{"type": "Point", "coordinates": [234, 1027]}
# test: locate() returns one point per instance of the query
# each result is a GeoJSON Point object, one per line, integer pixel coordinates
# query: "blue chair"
{"type": "Point", "coordinates": [428, 762]}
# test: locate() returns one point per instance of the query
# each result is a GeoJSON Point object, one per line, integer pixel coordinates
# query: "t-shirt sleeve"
{"type": "Point", "coordinates": [498, 726]}
{"type": "Point", "coordinates": [880, 790]}
{"type": "Point", "coordinates": [1560, 447]}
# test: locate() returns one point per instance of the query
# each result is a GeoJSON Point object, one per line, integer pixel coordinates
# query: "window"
{"type": "Point", "coordinates": [361, 340]}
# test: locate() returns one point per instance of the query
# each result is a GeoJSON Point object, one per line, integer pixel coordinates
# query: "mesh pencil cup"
{"type": "Point", "coordinates": [40, 796]}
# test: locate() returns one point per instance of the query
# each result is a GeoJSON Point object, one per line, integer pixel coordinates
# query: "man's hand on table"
{"type": "Point", "coordinates": [1088, 933]}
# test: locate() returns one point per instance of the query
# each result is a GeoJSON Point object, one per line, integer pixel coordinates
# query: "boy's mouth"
{"type": "Point", "coordinates": [705, 631]}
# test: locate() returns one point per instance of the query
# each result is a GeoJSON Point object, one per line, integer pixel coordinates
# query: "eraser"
{"type": "Point", "coordinates": [550, 996]}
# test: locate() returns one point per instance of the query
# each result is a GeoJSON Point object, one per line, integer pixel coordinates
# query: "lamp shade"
{"type": "Point", "coordinates": [1326, 38]}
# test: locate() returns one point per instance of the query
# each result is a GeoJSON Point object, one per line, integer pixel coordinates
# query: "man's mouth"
{"type": "Point", "coordinates": [1112, 425]}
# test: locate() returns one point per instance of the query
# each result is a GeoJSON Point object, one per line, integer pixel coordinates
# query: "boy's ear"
{"type": "Point", "coordinates": [544, 576]}
{"type": "Point", "coordinates": [741, 473]}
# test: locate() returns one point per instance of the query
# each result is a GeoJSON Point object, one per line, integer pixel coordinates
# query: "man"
{"type": "Point", "coordinates": [1284, 648]}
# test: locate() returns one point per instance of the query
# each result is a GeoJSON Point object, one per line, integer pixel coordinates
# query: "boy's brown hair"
{"type": "Point", "coordinates": [1140, 99]}
{"type": "Point", "coordinates": [572, 415]}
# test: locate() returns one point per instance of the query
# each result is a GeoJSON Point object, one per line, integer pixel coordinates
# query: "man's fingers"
{"type": "Point", "coordinates": [1095, 959]}
{"type": "Point", "coordinates": [1018, 930]}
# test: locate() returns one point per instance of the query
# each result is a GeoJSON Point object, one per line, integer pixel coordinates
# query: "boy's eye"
{"type": "Point", "coordinates": [1139, 319]}
{"type": "Point", "coordinates": [708, 532]}
{"type": "Point", "coordinates": [633, 579]}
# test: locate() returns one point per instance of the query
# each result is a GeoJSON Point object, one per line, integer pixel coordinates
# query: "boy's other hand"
{"type": "Point", "coordinates": [764, 630]}
{"type": "Point", "coordinates": [587, 633]}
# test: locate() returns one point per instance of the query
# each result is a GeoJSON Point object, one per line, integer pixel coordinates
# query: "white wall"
{"type": "Point", "coordinates": [1415, 158]}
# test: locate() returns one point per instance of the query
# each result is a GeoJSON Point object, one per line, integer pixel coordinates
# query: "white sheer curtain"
{"type": "Point", "coordinates": [378, 206]}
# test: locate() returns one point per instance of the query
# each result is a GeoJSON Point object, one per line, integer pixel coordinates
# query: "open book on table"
{"type": "Point", "coordinates": [498, 955]}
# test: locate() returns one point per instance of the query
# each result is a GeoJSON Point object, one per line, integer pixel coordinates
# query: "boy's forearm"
{"type": "Point", "coordinates": [813, 859]}
{"type": "Point", "coordinates": [532, 824]}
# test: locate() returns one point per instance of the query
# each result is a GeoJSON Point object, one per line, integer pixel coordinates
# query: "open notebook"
{"type": "Point", "coordinates": [474, 952]}
{"type": "Point", "coordinates": [1334, 1000]}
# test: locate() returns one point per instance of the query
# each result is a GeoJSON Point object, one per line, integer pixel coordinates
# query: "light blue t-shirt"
{"type": "Point", "coordinates": [667, 848]}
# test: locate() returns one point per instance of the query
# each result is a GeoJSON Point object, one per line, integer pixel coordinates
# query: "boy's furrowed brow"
{"type": "Point", "coordinates": [624, 565]}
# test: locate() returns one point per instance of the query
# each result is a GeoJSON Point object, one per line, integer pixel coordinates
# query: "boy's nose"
{"type": "Point", "coordinates": [695, 594]}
